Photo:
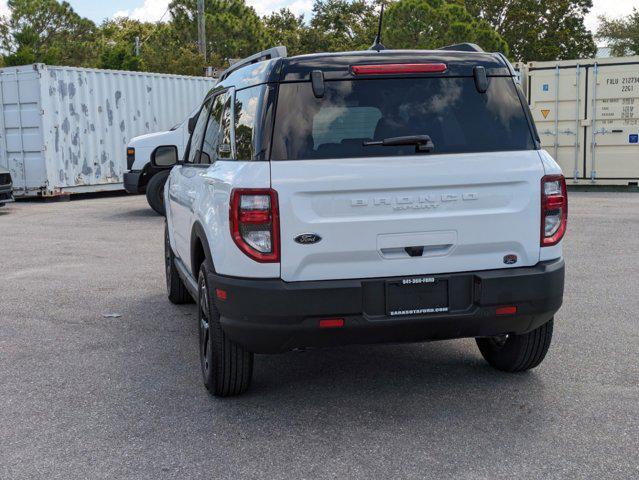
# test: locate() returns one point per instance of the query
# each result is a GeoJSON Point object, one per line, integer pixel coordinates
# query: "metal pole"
{"type": "Point", "coordinates": [576, 170]}
{"type": "Point", "coordinates": [593, 141]}
{"type": "Point", "coordinates": [201, 29]}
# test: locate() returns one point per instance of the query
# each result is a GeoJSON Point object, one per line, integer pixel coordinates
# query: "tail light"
{"type": "Point", "coordinates": [554, 209]}
{"type": "Point", "coordinates": [255, 225]}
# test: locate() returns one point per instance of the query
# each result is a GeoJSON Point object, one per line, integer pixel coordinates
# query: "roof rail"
{"type": "Point", "coordinates": [274, 52]}
{"type": "Point", "coordinates": [463, 47]}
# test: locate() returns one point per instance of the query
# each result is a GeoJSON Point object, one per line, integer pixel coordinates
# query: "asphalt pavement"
{"type": "Point", "coordinates": [99, 373]}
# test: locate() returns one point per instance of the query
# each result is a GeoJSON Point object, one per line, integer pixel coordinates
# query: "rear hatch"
{"type": "Point", "coordinates": [472, 203]}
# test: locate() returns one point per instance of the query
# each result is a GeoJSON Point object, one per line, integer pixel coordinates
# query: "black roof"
{"type": "Point", "coordinates": [337, 66]}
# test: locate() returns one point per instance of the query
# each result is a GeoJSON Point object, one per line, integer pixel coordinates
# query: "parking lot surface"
{"type": "Point", "coordinates": [88, 396]}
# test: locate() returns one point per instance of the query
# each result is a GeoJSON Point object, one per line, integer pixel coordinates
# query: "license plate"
{"type": "Point", "coordinates": [416, 296]}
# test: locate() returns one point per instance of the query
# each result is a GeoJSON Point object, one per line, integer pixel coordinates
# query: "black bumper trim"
{"type": "Point", "coordinates": [270, 315]}
{"type": "Point", "coordinates": [132, 181]}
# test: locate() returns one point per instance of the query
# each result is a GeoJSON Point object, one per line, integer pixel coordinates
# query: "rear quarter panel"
{"type": "Point", "coordinates": [211, 210]}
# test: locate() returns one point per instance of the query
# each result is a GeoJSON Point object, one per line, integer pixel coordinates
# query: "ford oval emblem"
{"type": "Point", "coordinates": [308, 238]}
{"type": "Point", "coordinates": [510, 259]}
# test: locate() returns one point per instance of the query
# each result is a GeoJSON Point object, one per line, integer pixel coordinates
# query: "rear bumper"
{"type": "Point", "coordinates": [269, 316]}
{"type": "Point", "coordinates": [132, 182]}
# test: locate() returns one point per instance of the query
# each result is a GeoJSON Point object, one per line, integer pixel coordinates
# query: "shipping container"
{"type": "Point", "coordinates": [587, 114]}
{"type": "Point", "coordinates": [64, 130]}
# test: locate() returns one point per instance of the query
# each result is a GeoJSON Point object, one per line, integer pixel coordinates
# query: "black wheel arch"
{"type": "Point", "coordinates": [200, 250]}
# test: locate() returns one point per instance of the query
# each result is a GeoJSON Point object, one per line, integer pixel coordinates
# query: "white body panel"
{"type": "Point", "coordinates": [66, 129]}
{"type": "Point", "coordinates": [145, 144]}
{"type": "Point", "coordinates": [587, 114]}
{"type": "Point", "coordinates": [466, 210]}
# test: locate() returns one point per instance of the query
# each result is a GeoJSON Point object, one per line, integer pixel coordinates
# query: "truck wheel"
{"type": "Point", "coordinates": [176, 289]}
{"type": "Point", "coordinates": [227, 367]}
{"type": "Point", "coordinates": [155, 191]}
{"type": "Point", "coordinates": [516, 353]}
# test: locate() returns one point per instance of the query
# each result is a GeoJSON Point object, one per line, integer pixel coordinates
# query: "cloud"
{"type": "Point", "coordinates": [616, 9]}
{"type": "Point", "coordinates": [150, 11]}
{"type": "Point", "coordinates": [298, 7]}
{"type": "Point", "coordinates": [4, 9]}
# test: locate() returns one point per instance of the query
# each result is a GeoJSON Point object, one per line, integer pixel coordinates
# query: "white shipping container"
{"type": "Point", "coordinates": [65, 130]}
{"type": "Point", "coordinates": [587, 114]}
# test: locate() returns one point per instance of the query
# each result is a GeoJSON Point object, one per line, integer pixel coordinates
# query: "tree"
{"type": "Point", "coordinates": [47, 31]}
{"type": "Point", "coordinates": [169, 50]}
{"type": "Point", "coordinates": [434, 23]}
{"type": "Point", "coordinates": [233, 29]}
{"type": "Point", "coordinates": [118, 43]}
{"type": "Point", "coordinates": [622, 34]}
{"type": "Point", "coordinates": [341, 25]}
{"type": "Point", "coordinates": [539, 29]}
{"type": "Point", "coordinates": [284, 28]}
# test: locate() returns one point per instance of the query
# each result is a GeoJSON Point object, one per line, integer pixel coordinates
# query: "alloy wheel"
{"type": "Point", "coordinates": [204, 328]}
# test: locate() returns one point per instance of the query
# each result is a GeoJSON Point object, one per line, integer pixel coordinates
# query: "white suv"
{"type": "Point", "coordinates": [365, 197]}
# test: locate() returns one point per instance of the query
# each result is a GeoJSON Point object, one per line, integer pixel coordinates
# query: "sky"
{"type": "Point", "coordinates": [152, 10]}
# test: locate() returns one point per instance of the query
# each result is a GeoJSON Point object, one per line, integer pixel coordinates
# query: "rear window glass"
{"type": "Point", "coordinates": [451, 111]}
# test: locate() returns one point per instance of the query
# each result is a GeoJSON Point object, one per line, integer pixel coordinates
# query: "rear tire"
{"type": "Point", "coordinates": [177, 292]}
{"type": "Point", "coordinates": [517, 353]}
{"type": "Point", "coordinates": [227, 367]}
{"type": "Point", "coordinates": [155, 191]}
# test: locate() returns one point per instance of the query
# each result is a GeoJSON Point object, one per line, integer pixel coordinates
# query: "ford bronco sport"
{"type": "Point", "coordinates": [365, 197]}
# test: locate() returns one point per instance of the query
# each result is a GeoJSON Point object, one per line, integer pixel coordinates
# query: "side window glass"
{"type": "Point", "coordinates": [246, 106]}
{"type": "Point", "coordinates": [198, 132]}
{"type": "Point", "coordinates": [224, 140]}
{"type": "Point", "coordinates": [211, 138]}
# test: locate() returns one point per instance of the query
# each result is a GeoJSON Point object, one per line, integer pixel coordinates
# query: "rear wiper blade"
{"type": "Point", "coordinates": [422, 143]}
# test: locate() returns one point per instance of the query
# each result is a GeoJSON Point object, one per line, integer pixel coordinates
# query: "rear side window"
{"type": "Point", "coordinates": [247, 104]}
{"type": "Point", "coordinates": [212, 136]}
{"type": "Point", "coordinates": [451, 111]}
{"type": "Point", "coordinates": [198, 134]}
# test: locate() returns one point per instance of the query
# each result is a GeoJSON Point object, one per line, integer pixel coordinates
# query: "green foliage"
{"type": "Point", "coordinates": [47, 31]}
{"type": "Point", "coordinates": [431, 24]}
{"type": "Point", "coordinates": [539, 29]}
{"type": "Point", "coordinates": [168, 50]}
{"type": "Point", "coordinates": [622, 34]}
{"type": "Point", "coordinates": [284, 28]}
{"type": "Point", "coordinates": [342, 25]}
{"type": "Point", "coordinates": [119, 57]}
{"type": "Point", "coordinates": [233, 29]}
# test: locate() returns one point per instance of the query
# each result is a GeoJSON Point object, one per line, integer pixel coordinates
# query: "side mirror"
{"type": "Point", "coordinates": [164, 156]}
{"type": "Point", "coordinates": [193, 122]}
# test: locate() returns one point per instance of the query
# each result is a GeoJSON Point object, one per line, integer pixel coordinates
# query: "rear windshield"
{"type": "Point", "coordinates": [451, 111]}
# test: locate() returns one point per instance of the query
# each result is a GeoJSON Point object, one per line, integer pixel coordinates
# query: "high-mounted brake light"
{"type": "Point", "coordinates": [554, 209]}
{"type": "Point", "coordinates": [398, 68]}
{"type": "Point", "coordinates": [255, 225]}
